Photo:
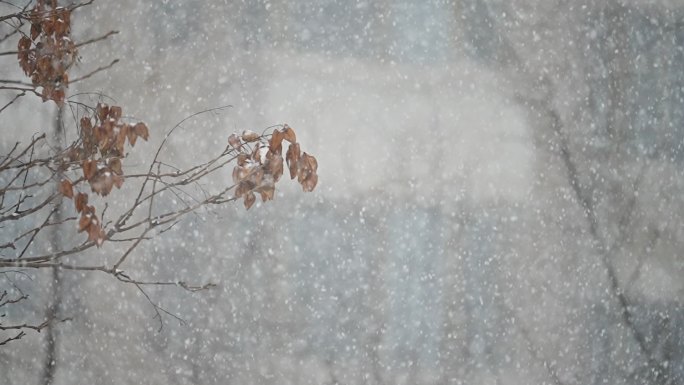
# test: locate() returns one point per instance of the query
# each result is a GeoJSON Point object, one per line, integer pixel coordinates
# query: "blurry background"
{"type": "Point", "coordinates": [500, 196]}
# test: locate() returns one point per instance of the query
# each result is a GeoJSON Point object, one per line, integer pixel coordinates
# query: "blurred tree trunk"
{"type": "Point", "coordinates": [51, 341]}
{"type": "Point", "coordinates": [582, 75]}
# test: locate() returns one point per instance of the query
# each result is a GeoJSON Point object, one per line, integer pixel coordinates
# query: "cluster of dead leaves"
{"type": "Point", "coordinates": [45, 55]}
{"type": "Point", "coordinates": [105, 133]}
{"type": "Point", "coordinates": [88, 222]}
{"type": "Point", "coordinates": [98, 153]}
{"type": "Point", "coordinates": [260, 164]}
{"type": "Point", "coordinates": [47, 52]}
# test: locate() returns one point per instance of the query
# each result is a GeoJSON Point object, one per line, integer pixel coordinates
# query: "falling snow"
{"type": "Point", "coordinates": [498, 203]}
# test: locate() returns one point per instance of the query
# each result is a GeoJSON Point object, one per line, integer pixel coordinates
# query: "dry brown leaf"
{"type": "Point", "coordinates": [256, 175]}
{"type": "Point", "coordinates": [311, 161]}
{"type": "Point", "coordinates": [108, 127]}
{"type": "Point", "coordinates": [58, 96]}
{"type": "Point", "coordinates": [132, 136]}
{"type": "Point", "coordinates": [274, 165]}
{"type": "Point", "coordinates": [236, 174]}
{"type": "Point", "coordinates": [276, 142]}
{"type": "Point", "coordinates": [249, 136]}
{"type": "Point", "coordinates": [89, 168]}
{"type": "Point", "coordinates": [289, 134]}
{"type": "Point", "coordinates": [48, 27]}
{"type": "Point", "coordinates": [242, 159]}
{"type": "Point", "coordinates": [266, 188]}
{"type": "Point", "coordinates": [250, 198]}
{"type": "Point", "coordinates": [118, 180]}
{"type": "Point", "coordinates": [80, 201]}
{"type": "Point", "coordinates": [115, 113]}
{"type": "Point", "coordinates": [86, 219]}
{"type": "Point", "coordinates": [44, 65]}
{"type": "Point", "coordinates": [96, 233]}
{"type": "Point", "coordinates": [35, 30]}
{"type": "Point", "coordinates": [83, 222]}
{"type": "Point", "coordinates": [267, 193]}
{"type": "Point", "coordinates": [306, 173]}
{"type": "Point", "coordinates": [309, 184]}
{"type": "Point", "coordinates": [241, 173]}
{"type": "Point", "coordinates": [45, 94]}
{"type": "Point", "coordinates": [65, 14]}
{"type": "Point", "coordinates": [24, 62]}
{"type": "Point", "coordinates": [243, 188]}
{"type": "Point", "coordinates": [115, 165]}
{"type": "Point", "coordinates": [256, 153]}
{"type": "Point", "coordinates": [307, 165]}
{"type": "Point", "coordinates": [292, 157]}
{"type": "Point", "coordinates": [66, 188]}
{"type": "Point", "coordinates": [102, 183]}
{"type": "Point", "coordinates": [61, 28]}
{"type": "Point", "coordinates": [102, 110]}
{"type": "Point", "coordinates": [24, 43]}
{"type": "Point", "coordinates": [73, 154]}
{"type": "Point", "coordinates": [98, 133]}
{"type": "Point", "coordinates": [234, 141]}
{"type": "Point", "coordinates": [141, 130]}
{"type": "Point", "coordinates": [86, 126]}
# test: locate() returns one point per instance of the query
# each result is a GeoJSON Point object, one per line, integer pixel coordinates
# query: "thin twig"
{"type": "Point", "coordinates": [17, 96]}
{"type": "Point", "coordinates": [99, 69]}
{"type": "Point", "coordinates": [99, 38]}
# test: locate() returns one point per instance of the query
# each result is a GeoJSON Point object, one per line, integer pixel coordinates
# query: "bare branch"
{"type": "Point", "coordinates": [38, 176]}
{"type": "Point", "coordinates": [158, 309]}
{"type": "Point", "coordinates": [99, 38]}
{"type": "Point", "coordinates": [18, 336]}
{"type": "Point", "coordinates": [99, 69]}
{"type": "Point", "coordinates": [14, 99]}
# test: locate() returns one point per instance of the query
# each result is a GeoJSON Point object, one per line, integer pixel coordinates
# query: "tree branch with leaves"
{"type": "Point", "coordinates": [37, 177]}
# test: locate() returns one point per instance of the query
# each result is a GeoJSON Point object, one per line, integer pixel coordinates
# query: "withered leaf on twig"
{"type": "Point", "coordinates": [242, 159]}
{"type": "Point", "coordinates": [249, 136]}
{"type": "Point", "coordinates": [306, 174]}
{"type": "Point", "coordinates": [35, 31]}
{"type": "Point", "coordinates": [115, 113]}
{"type": "Point", "coordinates": [259, 168]}
{"type": "Point", "coordinates": [289, 134]}
{"type": "Point", "coordinates": [103, 182]}
{"type": "Point", "coordinates": [243, 188]}
{"type": "Point", "coordinates": [96, 234]}
{"type": "Point", "coordinates": [89, 168]}
{"type": "Point", "coordinates": [250, 198]}
{"type": "Point", "coordinates": [274, 165]}
{"type": "Point", "coordinates": [121, 137]}
{"type": "Point", "coordinates": [276, 143]}
{"type": "Point", "coordinates": [86, 219]}
{"type": "Point", "coordinates": [102, 110]}
{"type": "Point", "coordinates": [86, 125]}
{"type": "Point", "coordinates": [48, 51]}
{"type": "Point", "coordinates": [234, 141]}
{"type": "Point", "coordinates": [80, 201]}
{"type": "Point", "coordinates": [292, 157]}
{"type": "Point", "coordinates": [256, 153]}
{"type": "Point", "coordinates": [66, 188]}
{"type": "Point", "coordinates": [115, 165]}
{"type": "Point", "coordinates": [141, 130]}
{"type": "Point", "coordinates": [267, 191]}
